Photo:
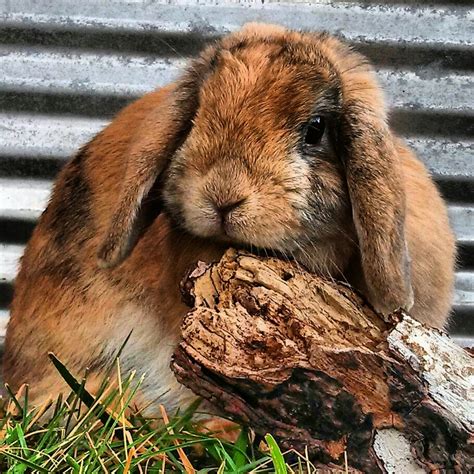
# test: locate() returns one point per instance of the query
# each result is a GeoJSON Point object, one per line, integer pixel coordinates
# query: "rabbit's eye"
{"type": "Point", "coordinates": [315, 130]}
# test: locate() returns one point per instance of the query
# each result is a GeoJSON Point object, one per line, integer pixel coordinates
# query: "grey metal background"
{"type": "Point", "coordinates": [66, 67]}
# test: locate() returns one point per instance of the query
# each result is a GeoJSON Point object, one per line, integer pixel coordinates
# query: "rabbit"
{"type": "Point", "coordinates": [271, 139]}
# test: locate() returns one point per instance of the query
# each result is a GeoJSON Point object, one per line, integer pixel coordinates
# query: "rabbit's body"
{"type": "Point", "coordinates": [64, 304]}
{"type": "Point", "coordinates": [357, 205]}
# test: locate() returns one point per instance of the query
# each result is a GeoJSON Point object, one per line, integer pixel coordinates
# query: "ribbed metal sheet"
{"type": "Point", "coordinates": [66, 67]}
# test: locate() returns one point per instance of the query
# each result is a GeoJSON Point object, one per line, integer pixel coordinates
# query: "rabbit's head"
{"type": "Point", "coordinates": [278, 140]}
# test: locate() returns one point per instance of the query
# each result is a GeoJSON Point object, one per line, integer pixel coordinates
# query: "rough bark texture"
{"type": "Point", "coordinates": [308, 360]}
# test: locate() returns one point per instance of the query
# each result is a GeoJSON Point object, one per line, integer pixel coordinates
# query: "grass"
{"type": "Point", "coordinates": [85, 433]}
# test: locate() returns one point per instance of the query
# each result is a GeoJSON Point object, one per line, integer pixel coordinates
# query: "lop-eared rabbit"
{"type": "Point", "coordinates": [271, 139]}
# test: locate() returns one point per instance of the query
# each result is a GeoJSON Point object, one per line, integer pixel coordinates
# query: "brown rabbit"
{"type": "Point", "coordinates": [272, 139]}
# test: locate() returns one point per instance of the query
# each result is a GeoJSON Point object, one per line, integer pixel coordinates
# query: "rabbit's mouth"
{"type": "Point", "coordinates": [243, 221]}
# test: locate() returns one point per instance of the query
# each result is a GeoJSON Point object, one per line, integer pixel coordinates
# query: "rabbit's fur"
{"type": "Point", "coordinates": [104, 259]}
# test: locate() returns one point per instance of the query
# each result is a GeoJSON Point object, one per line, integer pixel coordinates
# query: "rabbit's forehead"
{"type": "Point", "coordinates": [269, 87]}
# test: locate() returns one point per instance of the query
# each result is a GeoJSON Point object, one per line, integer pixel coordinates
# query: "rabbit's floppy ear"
{"type": "Point", "coordinates": [162, 132]}
{"type": "Point", "coordinates": [375, 183]}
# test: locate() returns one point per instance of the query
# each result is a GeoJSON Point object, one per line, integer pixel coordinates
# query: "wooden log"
{"type": "Point", "coordinates": [308, 360]}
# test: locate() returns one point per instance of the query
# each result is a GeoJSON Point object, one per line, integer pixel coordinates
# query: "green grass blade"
{"type": "Point", "coordinates": [25, 407]}
{"type": "Point", "coordinates": [13, 398]}
{"type": "Point", "coordinates": [239, 453]}
{"type": "Point", "coordinates": [76, 387]}
{"type": "Point", "coordinates": [111, 367]}
{"type": "Point", "coordinates": [122, 347]}
{"type": "Point", "coordinates": [87, 398]}
{"type": "Point", "coordinates": [26, 462]}
{"type": "Point", "coordinates": [21, 437]}
{"type": "Point", "coordinates": [276, 455]}
{"type": "Point", "coordinates": [183, 419]}
{"type": "Point", "coordinates": [75, 403]}
{"type": "Point", "coordinates": [72, 462]}
{"type": "Point", "coordinates": [252, 465]}
{"type": "Point", "coordinates": [229, 463]}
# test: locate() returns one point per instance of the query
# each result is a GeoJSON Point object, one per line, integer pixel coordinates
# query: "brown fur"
{"type": "Point", "coordinates": [103, 260]}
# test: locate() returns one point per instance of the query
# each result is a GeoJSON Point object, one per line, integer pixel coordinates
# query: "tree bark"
{"type": "Point", "coordinates": [308, 360]}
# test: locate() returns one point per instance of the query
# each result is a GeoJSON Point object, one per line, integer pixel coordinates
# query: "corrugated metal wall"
{"type": "Point", "coordinates": [67, 66]}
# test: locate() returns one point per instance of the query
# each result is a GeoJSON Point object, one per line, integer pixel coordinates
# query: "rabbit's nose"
{"type": "Point", "coordinates": [223, 210]}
